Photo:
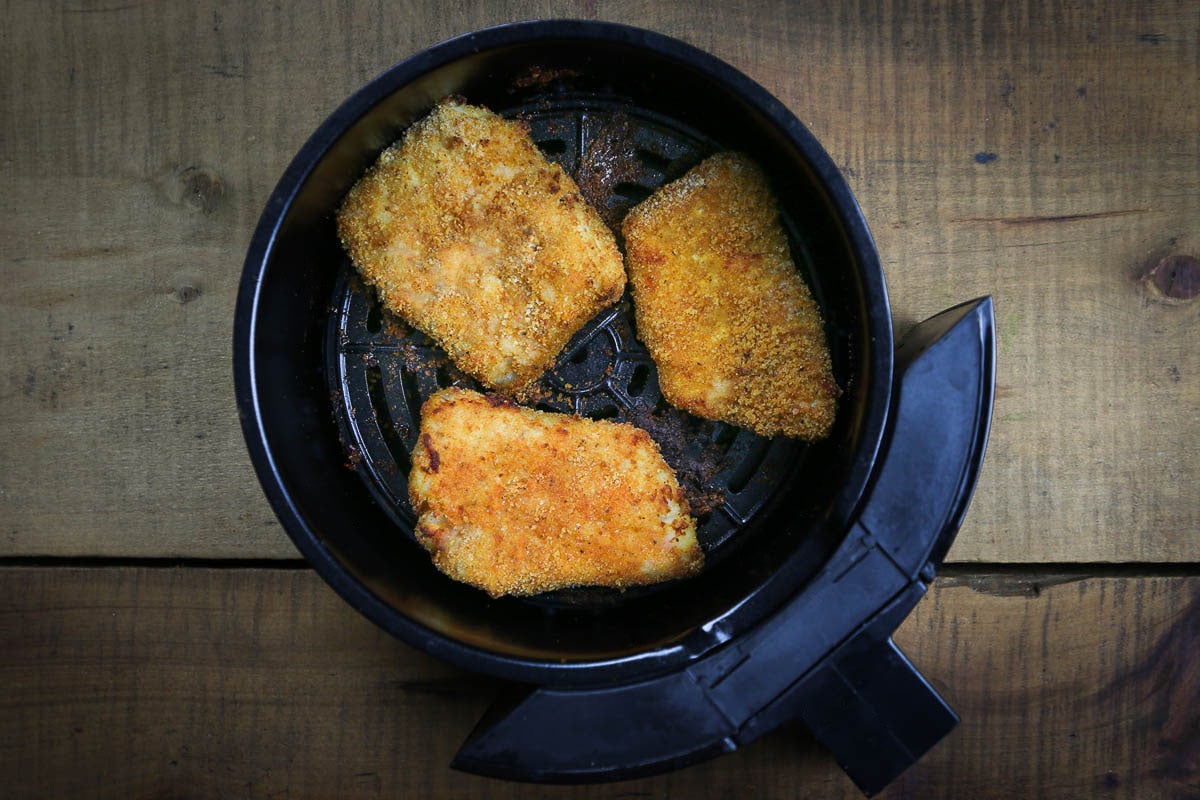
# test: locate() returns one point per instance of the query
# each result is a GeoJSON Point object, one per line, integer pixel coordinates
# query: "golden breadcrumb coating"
{"type": "Point", "coordinates": [517, 501]}
{"type": "Point", "coordinates": [472, 236]}
{"type": "Point", "coordinates": [735, 333]}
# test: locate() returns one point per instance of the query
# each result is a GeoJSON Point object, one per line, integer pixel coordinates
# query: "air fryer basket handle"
{"type": "Point", "coordinates": [866, 702]}
{"type": "Point", "coordinates": [874, 712]}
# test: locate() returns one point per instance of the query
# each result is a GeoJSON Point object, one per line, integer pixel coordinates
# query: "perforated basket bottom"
{"type": "Point", "coordinates": [381, 371]}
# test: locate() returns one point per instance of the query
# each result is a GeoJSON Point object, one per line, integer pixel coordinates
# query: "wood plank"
{"type": "Point", "coordinates": [262, 683]}
{"type": "Point", "coordinates": [140, 142]}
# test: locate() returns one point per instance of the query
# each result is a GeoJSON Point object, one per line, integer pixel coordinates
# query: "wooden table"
{"type": "Point", "coordinates": [159, 636]}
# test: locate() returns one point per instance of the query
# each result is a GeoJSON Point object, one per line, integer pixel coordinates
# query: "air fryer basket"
{"type": "Point", "coordinates": [330, 386]}
{"type": "Point", "coordinates": [815, 553]}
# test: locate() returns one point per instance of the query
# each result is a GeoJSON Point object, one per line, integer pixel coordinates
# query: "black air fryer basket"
{"type": "Point", "coordinates": [814, 552]}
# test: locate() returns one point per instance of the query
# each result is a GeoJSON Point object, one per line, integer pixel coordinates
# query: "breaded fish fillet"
{"type": "Point", "coordinates": [735, 333]}
{"type": "Point", "coordinates": [516, 501]}
{"type": "Point", "coordinates": [472, 236]}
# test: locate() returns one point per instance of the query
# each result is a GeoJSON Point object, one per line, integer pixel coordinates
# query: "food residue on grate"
{"type": "Point", "coordinates": [695, 462]}
{"type": "Point", "coordinates": [395, 328]}
{"type": "Point", "coordinates": [538, 75]}
{"type": "Point", "coordinates": [610, 160]}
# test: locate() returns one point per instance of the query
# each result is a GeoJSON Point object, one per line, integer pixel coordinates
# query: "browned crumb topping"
{"type": "Point", "coordinates": [472, 236]}
{"type": "Point", "coordinates": [733, 329]}
{"type": "Point", "coordinates": [517, 501]}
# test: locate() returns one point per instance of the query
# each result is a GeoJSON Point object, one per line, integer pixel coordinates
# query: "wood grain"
{"type": "Point", "coordinates": [1045, 153]}
{"type": "Point", "coordinates": [157, 683]}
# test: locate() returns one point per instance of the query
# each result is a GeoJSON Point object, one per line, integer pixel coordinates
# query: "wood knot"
{"type": "Point", "coordinates": [186, 294]}
{"type": "Point", "coordinates": [1174, 280]}
{"type": "Point", "coordinates": [197, 188]}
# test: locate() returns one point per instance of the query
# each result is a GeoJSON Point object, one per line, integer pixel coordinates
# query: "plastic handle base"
{"type": "Point", "coordinates": [873, 710]}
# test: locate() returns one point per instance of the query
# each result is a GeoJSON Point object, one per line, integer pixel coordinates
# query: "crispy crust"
{"type": "Point", "coordinates": [735, 333]}
{"type": "Point", "coordinates": [516, 501]}
{"type": "Point", "coordinates": [471, 235]}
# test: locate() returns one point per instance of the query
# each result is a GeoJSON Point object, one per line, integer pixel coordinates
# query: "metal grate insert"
{"type": "Point", "coordinates": [382, 370]}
